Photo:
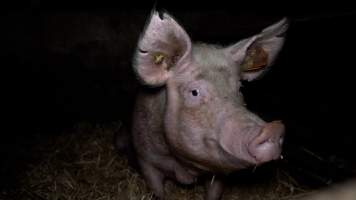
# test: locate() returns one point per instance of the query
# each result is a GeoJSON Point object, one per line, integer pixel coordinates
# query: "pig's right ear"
{"type": "Point", "coordinates": [163, 45]}
{"type": "Point", "coordinates": [256, 54]}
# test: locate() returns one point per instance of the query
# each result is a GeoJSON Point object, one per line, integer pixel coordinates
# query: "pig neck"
{"type": "Point", "coordinates": [156, 100]}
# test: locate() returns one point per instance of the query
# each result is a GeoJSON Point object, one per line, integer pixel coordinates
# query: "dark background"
{"type": "Point", "coordinates": [63, 63]}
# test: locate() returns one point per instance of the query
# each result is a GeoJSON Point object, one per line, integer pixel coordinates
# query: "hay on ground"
{"type": "Point", "coordinates": [83, 164]}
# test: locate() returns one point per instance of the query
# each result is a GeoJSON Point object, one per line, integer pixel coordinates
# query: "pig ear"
{"type": "Point", "coordinates": [257, 53]}
{"type": "Point", "coordinates": [163, 45]}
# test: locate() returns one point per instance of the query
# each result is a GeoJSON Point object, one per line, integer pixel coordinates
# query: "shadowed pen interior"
{"type": "Point", "coordinates": [123, 101]}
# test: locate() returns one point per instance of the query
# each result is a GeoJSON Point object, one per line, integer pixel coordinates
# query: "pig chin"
{"type": "Point", "coordinates": [236, 155]}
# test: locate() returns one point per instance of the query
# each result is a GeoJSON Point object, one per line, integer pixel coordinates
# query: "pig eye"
{"type": "Point", "coordinates": [195, 92]}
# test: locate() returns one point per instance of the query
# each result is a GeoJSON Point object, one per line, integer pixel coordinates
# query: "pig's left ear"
{"type": "Point", "coordinates": [254, 55]}
{"type": "Point", "coordinates": [163, 46]}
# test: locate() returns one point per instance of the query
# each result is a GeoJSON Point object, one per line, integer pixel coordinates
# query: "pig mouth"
{"type": "Point", "coordinates": [231, 160]}
{"type": "Point", "coordinates": [236, 151]}
{"type": "Point", "coordinates": [240, 157]}
{"type": "Point", "coordinates": [265, 150]}
{"type": "Point", "coordinates": [267, 145]}
{"type": "Point", "coordinates": [237, 162]}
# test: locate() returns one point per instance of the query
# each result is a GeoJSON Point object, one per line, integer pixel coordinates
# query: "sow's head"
{"type": "Point", "coordinates": [206, 122]}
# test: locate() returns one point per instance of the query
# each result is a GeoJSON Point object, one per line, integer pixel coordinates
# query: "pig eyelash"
{"type": "Point", "coordinates": [142, 51]}
{"type": "Point", "coordinates": [195, 92]}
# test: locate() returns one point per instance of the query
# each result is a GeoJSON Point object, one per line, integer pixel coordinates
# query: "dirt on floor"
{"type": "Point", "coordinates": [83, 164]}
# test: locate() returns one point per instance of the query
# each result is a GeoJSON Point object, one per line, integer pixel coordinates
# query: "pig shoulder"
{"type": "Point", "coordinates": [147, 128]}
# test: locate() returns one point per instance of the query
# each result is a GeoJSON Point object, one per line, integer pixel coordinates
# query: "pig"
{"type": "Point", "coordinates": [190, 119]}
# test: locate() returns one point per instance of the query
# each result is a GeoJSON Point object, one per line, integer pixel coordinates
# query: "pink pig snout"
{"type": "Point", "coordinates": [267, 145]}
